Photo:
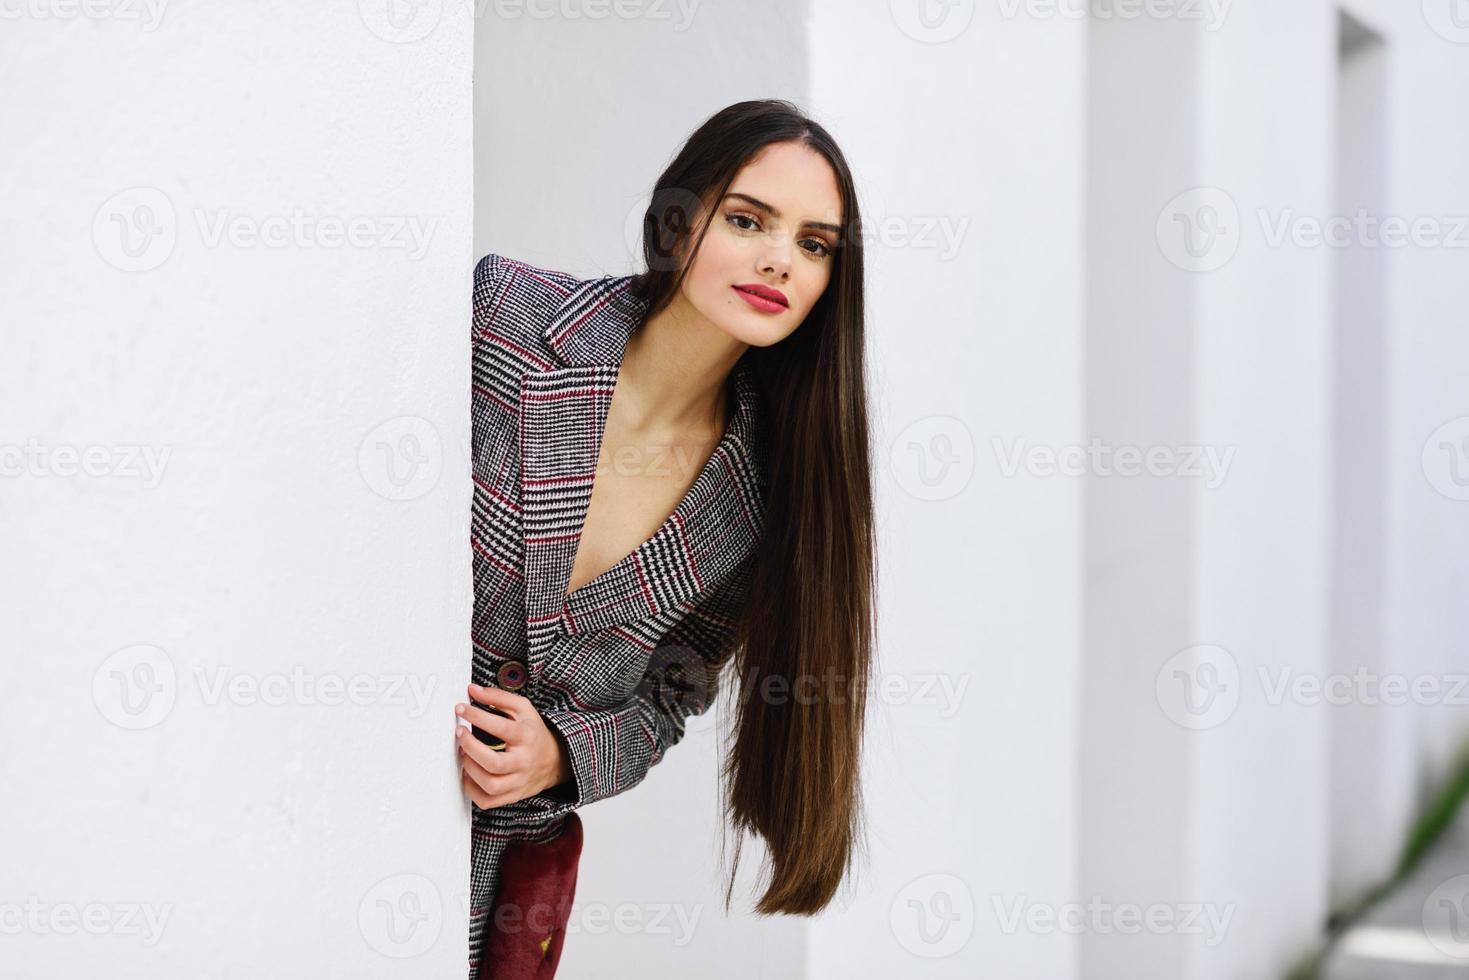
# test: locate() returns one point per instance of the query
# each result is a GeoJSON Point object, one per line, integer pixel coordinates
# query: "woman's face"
{"type": "Point", "coordinates": [777, 228]}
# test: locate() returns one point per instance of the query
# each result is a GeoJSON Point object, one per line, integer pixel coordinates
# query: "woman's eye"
{"type": "Point", "coordinates": [735, 220]}
{"type": "Point", "coordinates": [825, 250]}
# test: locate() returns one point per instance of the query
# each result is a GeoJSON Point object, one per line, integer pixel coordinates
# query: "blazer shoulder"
{"type": "Point", "coordinates": [514, 301]}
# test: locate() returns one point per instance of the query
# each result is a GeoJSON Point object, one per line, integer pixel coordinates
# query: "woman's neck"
{"type": "Point", "coordinates": [675, 368]}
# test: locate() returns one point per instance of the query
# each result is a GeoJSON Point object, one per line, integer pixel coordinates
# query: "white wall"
{"type": "Point", "coordinates": [1136, 804]}
{"type": "Point", "coordinates": [966, 133]}
{"type": "Point", "coordinates": [1261, 576]}
{"type": "Point", "coordinates": [267, 831]}
{"type": "Point", "coordinates": [1271, 334]}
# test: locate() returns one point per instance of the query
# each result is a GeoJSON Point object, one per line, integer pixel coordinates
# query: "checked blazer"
{"type": "Point", "coordinates": [616, 667]}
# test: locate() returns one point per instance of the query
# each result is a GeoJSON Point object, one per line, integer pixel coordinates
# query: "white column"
{"type": "Point", "coordinates": [234, 577]}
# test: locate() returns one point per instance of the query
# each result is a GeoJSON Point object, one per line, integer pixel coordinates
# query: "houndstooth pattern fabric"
{"type": "Point", "coordinates": [618, 666]}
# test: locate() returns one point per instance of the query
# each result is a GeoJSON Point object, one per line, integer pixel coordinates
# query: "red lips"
{"type": "Point", "coordinates": [764, 292]}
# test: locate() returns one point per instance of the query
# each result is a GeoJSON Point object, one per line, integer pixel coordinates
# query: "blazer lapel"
{"type": "Point", "coordinates": [563, 412]}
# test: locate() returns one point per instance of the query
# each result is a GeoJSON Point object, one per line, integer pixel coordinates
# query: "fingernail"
{"type": "Point", "coordinates": [459, 709]}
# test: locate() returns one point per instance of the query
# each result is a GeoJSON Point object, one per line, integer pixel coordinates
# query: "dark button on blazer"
{"type": "Point", "coordinates": [617, 666]}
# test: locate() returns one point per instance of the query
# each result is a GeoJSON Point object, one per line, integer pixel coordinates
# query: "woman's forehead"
{"type": "Point", "coordinates": [791, 184]}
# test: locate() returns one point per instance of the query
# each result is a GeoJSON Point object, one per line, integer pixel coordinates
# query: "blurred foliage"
{"type": "Point", "coordinates": [1426, 831]}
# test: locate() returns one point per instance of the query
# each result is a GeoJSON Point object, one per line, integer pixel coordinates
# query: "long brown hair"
{"type": "Point", "coordinates": [792, 774]}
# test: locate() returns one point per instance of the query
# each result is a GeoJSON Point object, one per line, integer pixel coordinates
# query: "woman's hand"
{"type": "Point", "coordinates": [533, 759]}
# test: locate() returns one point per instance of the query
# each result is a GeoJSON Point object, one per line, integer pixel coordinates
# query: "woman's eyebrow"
{"type": "Point", "coordinates": [776, 214]}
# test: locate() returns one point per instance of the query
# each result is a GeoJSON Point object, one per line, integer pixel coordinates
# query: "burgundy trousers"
{"type": "Point", "coordinates": [527, 925]}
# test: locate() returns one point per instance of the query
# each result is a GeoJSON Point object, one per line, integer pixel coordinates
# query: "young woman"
{"type": "Point", "coordinates": [672, 470]}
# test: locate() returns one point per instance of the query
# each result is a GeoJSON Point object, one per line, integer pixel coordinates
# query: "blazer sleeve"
{"type": "Point", "coordinates": [611, 750]}
{"type": "Point", "coordinates": [489, 275]}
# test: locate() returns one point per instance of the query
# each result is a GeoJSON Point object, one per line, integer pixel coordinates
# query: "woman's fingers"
{"type": "Point", "coordinates": [475, 793]}
{"type": "Point", "coordinates": [505, 729]}
{"type": "Point", "coordinates": [487, 790]}
{"type": "Point", "coordinates": [512, 704]}
{"type": "Point", "coordinates": [497, 761]}
{"type": "Point", "coordinates": [488, 780]}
